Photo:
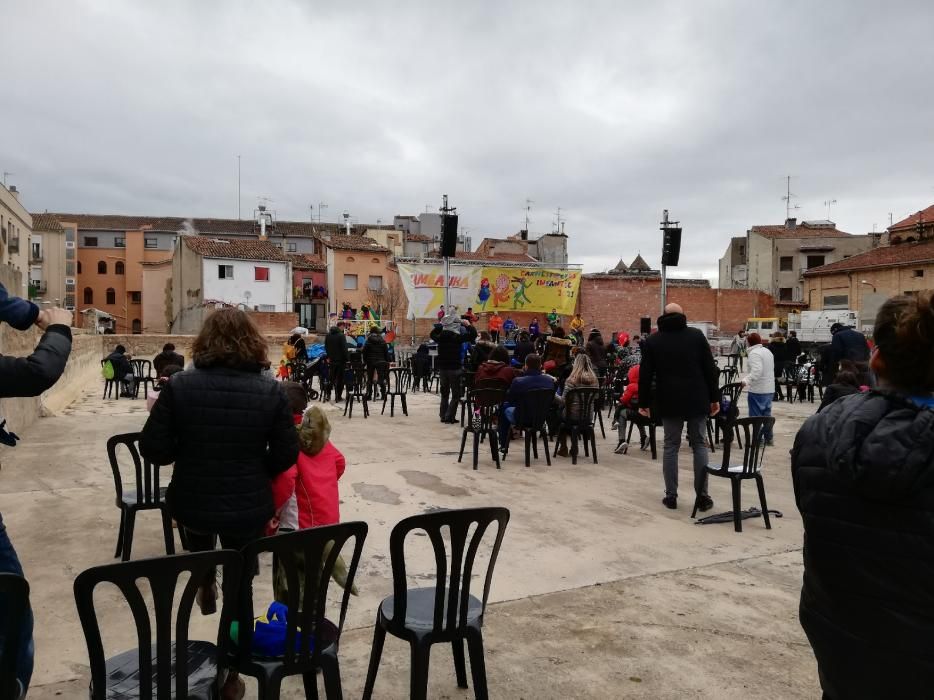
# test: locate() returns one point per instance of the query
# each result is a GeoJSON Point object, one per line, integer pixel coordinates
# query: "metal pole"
{"type": "Point", "coordinates": [238, 188]}
{"type": "Point", "coordinates": [447, 267]}
{"type": "Point", "coordinates": [664, 267]}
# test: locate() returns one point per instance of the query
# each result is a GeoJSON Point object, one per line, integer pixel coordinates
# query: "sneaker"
{"type": "Point", "coordinates": [614, 426]}
{"type": "Point", "coordinates": [622, 448]}
{"type": "Point", "coordinates": [704, 503]}
{"type": "Point", "coordinates": [670, 502]}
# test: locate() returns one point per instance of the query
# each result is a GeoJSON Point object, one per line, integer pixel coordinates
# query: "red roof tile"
{"type": "Point", "coordinates": [304, 261]}
{"type": "Point", "coordinates": [886, 256]}
{"type": "Point", "coordinates": [502, 257]}
{"type": "Point", "coordinates": [418, 238]}
{"type": "Point", "coordinates": [45, 222]}
{"type": "Point", "coordinates": [926, 215]}
{"type": "Point", "coordinates": [802, 230]}
{"type": "Point", "coordinates": [234, 249]}
{"type": "Point", "coordinates": [339, 241]}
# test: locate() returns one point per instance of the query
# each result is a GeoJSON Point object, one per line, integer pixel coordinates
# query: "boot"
{"type": "Point", "coordinates": [563, 445]}
{"type": "Point", "coordinates": [207, 599]}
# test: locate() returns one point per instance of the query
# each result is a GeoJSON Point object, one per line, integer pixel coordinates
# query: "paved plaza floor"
{"type": "Point", "coordinates": [599, 592]}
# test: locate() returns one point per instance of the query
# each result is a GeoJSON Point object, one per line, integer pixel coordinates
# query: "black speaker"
{"type": "Point", "coordinates": [671, 246]}
{"type": "Point", "coordinates": [448, 235]}
{"type": "Point", "coordinates": [645, 325]}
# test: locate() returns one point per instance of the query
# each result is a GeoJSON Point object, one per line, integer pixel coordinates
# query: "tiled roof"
{"type": "Point", "coordinates": [502, 257]}
{"type": "Point", "coordinates": [802, 230]}
{"type": "Point", "coordinates": [639, 265]}
{"type": "Point", "coordinates": [926, 215]}
{"type": "Point", "coordinates": [45, 222]}
{"type": "Point", "coordinates": [418, 238]}
{"type": "Point", "coordinates": [339, 241]}
{"type": "Point", "coordinates": [234, 249]}
{"type": "Point", "coordinates": [886, 256]}
{"type": "Point", "coordinates": [304, 261]}
{"type": "Point", "coordinates": [621, 266]}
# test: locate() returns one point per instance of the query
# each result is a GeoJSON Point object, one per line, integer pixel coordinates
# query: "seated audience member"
{"type": "Point", "coordinates": [123, 372]}
{"type": "Point", "coordinates": [532, 378]}
{"type": "Point", "coordinates": [557, 351]}
{"type": "Point", "coordinates": [628, 401]}
{"type": "Point", "coordinates": [582, 376]}
{"type": "Point", "coordinates": [161, 381]}
{"type": "Point", "coordinates": [497, 367]}
{"type": "Point", "coordinates": [844, 384]}
{"type": "Point", "coordinates": [167, 357]}
{"type": "Point", "coordinates": [481, 351]}
{"type": "Point", "coordinates": [524, 348]}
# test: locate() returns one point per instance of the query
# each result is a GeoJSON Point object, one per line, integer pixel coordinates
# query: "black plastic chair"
{"type": "Point", "coordinates": [485, 402]}
{"type": "Point", "coordinates": [397, 384]}
{"type": "Point", "coordinates": [578, 420]}
{"type": "Point", "coordinates": [147, 494]}
{"type": "Point", "coordinates": [789, 380]}
{"type": "Point", "coordinates": [728, 375]}
{"type": "Point", "coordinates": [732, 361]}
{"type": "Point", "coordinates": [111, 386]}
{"type": "Point", "coordinates": [142, 371]}
{"type": "Point", "coordinates": [316, 646]}
{"type": "Point", "coordinates": [647, 426]}
{"type": "Point", "coordinates": [751, 467]}
{"type": "Point", "coordinates": [356, 391]}
{"type": "Point", "coordinates": [467, 378]}
{"type": "Point", "coordinates": [724, 423]}
{"type": "Point", "coordinates": [171, 665]}
{"type": "Point", "coordinates": [532, 417]}
{"type": "Point", "coordinates": [446, 612]}
{"type": "Point", "coordinates": [14, 602]}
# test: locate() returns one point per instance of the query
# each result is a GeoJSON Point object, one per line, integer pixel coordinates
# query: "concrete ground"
{"type": "Point", "coordinates": [599, 592]}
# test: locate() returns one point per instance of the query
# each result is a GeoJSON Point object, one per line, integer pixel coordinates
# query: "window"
{"type": "Point", "coordinates": [69, 253]}
{"type": "Point", "coordinates": [350, 258]}
{"type": "Point", "coordinates": [111, 296]}
{"type": "Point", "coordinates": [837, 301]}
{"type": "Point", "coordinates": [742, 251]}
{"type": "Point", "coordinates": [120, 242]}
{"type": "Point", "coordinates": [70, 235]}
{"type": "Point", "coordinates": [291, 247]}
{"type": "Point", "coordinates": [917, 273]}
{"type": "Point", "coordinates": [14, 239]}
{"type": "Point", "coordinates": [815, 261]}
{"type": "Point", "coordinates": [261, 274]}
{"type": "Point", "coordinates": [225, 272]}
{"type": "Point", "coordinates": [70, 268]}
{"type": "Point", "coordinates": [90, 241]}
{"type": "Point", "coordinates": [69, 301]}
{"type": "Point", "coordinates": [101, 267]}
{"type": "Point", "coordinates": [79, 267]}
{"type": "Point", "coordinates": [784, 294]}
{"type": "Point", "coordinates": [136, 297]}
{"type": "Point", "coordinates": [266, 307]}
{"type": "Point", "coordinates": [786, 263]}
{"type": "Point", "coordinates": [70, 284]}
{"type": "Point", "coordinates": [137, 326]}
{"type": "Point", "coordinates": [350, 281]}
{"type": "Point", "coordinates": [150, 242]}
{"type": "Point", "coordinates": [118, 267]}
{"type": "Point", "coordinates": [88, 295]}
{"type": "Point", "coordinates": [375, 260]}
{"type": "Point", "coordinates": [767, 325]}
{"type": "Point", "coordinates": [37, 251]}
{"type": "Point", "coordinates": [376, 282]}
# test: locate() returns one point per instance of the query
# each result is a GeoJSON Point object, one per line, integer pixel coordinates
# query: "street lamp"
{"type": "Point", "coordinates": [861, 303]}
{"type": "Point", "coordinates": [866, 282]}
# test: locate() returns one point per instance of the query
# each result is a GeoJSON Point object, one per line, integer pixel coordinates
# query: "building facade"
{"type": "Point", "coordinates": [357, 266]}
{"type": "Point", "coordinates": [52, 263]}
{"type": "Point", "coordinates": [15, 234]}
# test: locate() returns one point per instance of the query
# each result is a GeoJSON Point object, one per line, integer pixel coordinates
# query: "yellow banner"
{"type": "Point", "coordinates": [528, 289]}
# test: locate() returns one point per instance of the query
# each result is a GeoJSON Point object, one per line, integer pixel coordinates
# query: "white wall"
{"type": "Point", "coordinates": [277, 292]}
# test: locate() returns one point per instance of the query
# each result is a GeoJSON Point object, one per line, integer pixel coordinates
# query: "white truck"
{"type": "Point", "coordinates": [814, 326]}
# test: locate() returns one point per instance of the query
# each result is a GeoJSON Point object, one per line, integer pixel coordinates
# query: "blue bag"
{"type": "Point", "coordinates": [315, 351]}
{"type": "Point", "coordinates": [269, 633]}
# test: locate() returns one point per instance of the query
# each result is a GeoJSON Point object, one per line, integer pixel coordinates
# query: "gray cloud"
{"type": "Point", "coordinates": [611, 110]}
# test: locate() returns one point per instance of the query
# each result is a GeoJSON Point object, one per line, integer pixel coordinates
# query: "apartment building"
{"type": "Point", "coordinates": [15, 233]}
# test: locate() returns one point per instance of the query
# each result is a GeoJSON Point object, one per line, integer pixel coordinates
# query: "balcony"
{"type": "Point", "coordinates": [309, 293]}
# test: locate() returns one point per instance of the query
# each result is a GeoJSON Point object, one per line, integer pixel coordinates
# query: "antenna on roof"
{"type": "Point", "coordinates": [528, 209]}
{"type": "Point", "coordinates": [828, 203]}
{"type": "Point", "coordinates": [787, 198]}
{"type": "Point", "coordinates": [558, 221]}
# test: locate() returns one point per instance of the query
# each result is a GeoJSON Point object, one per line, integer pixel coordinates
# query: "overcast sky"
{"type": "Point", "coordinates": [611, 110]}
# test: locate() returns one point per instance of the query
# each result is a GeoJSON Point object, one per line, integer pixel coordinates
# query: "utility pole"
{"type": "Point", "coordinates": [238, 188]}
{"type": "Point", "coordinates": [528, 210]}
{"type": "Point", "coordinates": [664, 267]}
{"type": "Point", "coordinates": [321, 205]}
{"type": "Point", "coordinates": [665, 225]}
{"type": "Point", "coordinates": [445, 209]}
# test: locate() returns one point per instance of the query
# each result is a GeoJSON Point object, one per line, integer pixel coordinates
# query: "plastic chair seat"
{"type": "Point", "coordinates": [129, 500]}
{"type": "Point", "coordinates": [420, 608]}
{"type": "Point", "coordinates": [736, 469]}
{"type": "Point", "coordinates": [123, 681]}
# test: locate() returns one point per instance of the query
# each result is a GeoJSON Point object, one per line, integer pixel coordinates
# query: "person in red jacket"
{"type": "Point", "coordinates": [629, 400]}
{"type": "Point", "coordinates": [497, 367]}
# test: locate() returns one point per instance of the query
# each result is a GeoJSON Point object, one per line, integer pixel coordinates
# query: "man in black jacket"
{"type": "Point", "coordinates": [678, 380]}
{"type": "Point", "coordinates": [29, 376]}
{"type": "Point", "coordinates": [450, 339]}
{"type": "Point", "coordinates": [167, 357]}
{"type": "Point", "coordinates": [335, 347]}
{"type": "Point", "coordinates": [847, 344]}
{"type": "Point", "coordinates": [376, 359]}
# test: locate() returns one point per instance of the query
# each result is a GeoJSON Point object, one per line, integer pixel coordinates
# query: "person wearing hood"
{"type": "Point", "coordinates": [376, 359]}
{"type": "Point", "coordinates": [449, 337]}
{"type": "Point", "coordinates": [421, 368]}
{"type": "Point", "coordinates": [481, 351]}
{"type": "Point", "coordinates": [863, 474]}
{"type": "Point", "coordinates": [335, 347]}
{"type": "Point", "coordinates": [497, 367]}
{"type": "Point", "coordinates": [844, 384]}
{"type": "Point", "coordinates": [678, 385]}
{"type": "Point", "coordinates": [596, 350]}
{"type": "Point", "coordinates": [558, 351]}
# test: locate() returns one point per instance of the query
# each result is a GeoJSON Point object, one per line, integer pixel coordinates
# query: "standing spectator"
{"type": "Point", "coordinates": [509, 327]}
{"type": "Point", "coordinates": [376, 359]}
{"type": "Point", "coordinates": [534, 330]}
{"type": "Point", "coordinates": [794, 346]}
{"type": "Point", "coordinates": [440, 313]}
{"type": "Point", "coordinates": [760, 382]}
{"type": "Point", "coordinates": [496, 326]}
{"type": "Point", "coordinates": [167, 357]}
{"type": "Point", "coordinates": [780, 354]}
{"type": "Point", "coordinates": [335, 347]}
{"type": "Point", "coordinates": [738, 347]}
{"type": "Point", "coordinates": [524, 348]}
{"type": "Point", "coordinates": [229, 432]}
{"type": "Point", "coordinates": [678, 380]}
{"type": "Point", "coordinates": [449, 336]}
{"type": "Point", "coordinates": [553, 319]}
{"type": "Point", "coordinates": [863, 474]}
{"type": "Point", "coordinates": [470, 315]}
{"type": "Point", "coordinates": [596, 350]}
{"type": "Point", "coordinates": [123, 372]}
{"type": "Point", "coordinates": [29, 376]}
{"type": "Point", "coordinates": [849, 344]}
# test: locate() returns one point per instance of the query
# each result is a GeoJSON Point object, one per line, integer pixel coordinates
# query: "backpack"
{"type": "Point", "coordinates": [107, 370]}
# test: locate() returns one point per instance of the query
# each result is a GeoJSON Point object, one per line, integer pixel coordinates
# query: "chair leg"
{"type": "Point", "coordinates": [405, 409]}
{"type": "Point", "coordinates": [600, 419]}
{"type": "Point", "coordinates": [332, 680]}
{"type": "Point", "coordinates": [418, 683]}
{"type": "Point", "coordinates": [460, 665]}
{"type": "Point", "coordinates": [310, 682]}
{"type": "Point", "coordinates": [379, 636]}
{"type": "Point", "coordinates": [477, 663]}
{"type": "Point", "coordinates": [120, 533]}
{"type": "Point", "coordinates": [128, 533]}
{"type": "Point", "coordinates": [544, 436]}
{"type": "Point", "coordinates": [383, 412]}
{"type": "Point", "coordinates": [593, 444]}
{"type": "Point", "coordinates": [476, 449]}
{"type": "Point", "coordinates": [694, 512]}
{"type": "Point", "coordinates": [652, 442]}
{"type": "Point", "coordinates": [710, 436]}
{"type": "Point", "coordinates": [494, 447]}
{"type": "Point", "coordinates": [737, 518]}
{"type": "Point", "coordinates": [167, 531]}
{"type": "Point", "coordinates": [534, 442]}
{"type": "Point", "coordinates": [765, 507]}
{"type": "Point", "coordinates": [574, 437]}
{"type": "Point", "coordinates": [528, 448]}
{"type": "Point", "coordinates": [463, 443]}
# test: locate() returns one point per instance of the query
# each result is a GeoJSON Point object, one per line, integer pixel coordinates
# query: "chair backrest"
{"type": "Point", "coordinates": [491, 383]}
{"type": "Point", "coordinates": [733, 390]}
{"type": "Point", "coordinates": [728, 374]}
{"type": "Point", "coordinates": [142, 369]}
{"type": "Point", "coordinates": [732, 360]}
{"type": "Point", "coordinates": [579, 405]}
{"type": "Point", "coordinates": [486, 401]}
{"type": "Point", "coordinates": [146, 473]}
{"type": "Point", "coordinates": [14, 600]}
{"type": "Point", "coordinates": [399, 378]}
{"type": "Point", "coordinates": [753, 442]}
{"type": "Point", "coordinates": [358, 385]}
{"type": "Point", "coordinates": [467, 380]}
{"type": "Point", "coordinates": [454, 574]}
{"type": "Point", "coordinates": [533, 406]}
{"type": "Point", "coordinates": [307, 585]}
{"type": "Point", "coordinates": [162, 575]}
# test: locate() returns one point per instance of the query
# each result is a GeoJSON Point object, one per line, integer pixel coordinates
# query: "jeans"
{"type": "Point", "coordinates": [9, 563]}
{"type": "Point", "coordinates": [761, 405]}
{"type": "Point", "coordinates": [697, 427]}
{"type": "Point", "coordinates": [450, 387]}
{"type": "Point", "coordinates": [507, 417]}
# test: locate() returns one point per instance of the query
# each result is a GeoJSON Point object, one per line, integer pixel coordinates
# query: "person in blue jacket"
{"type": "Point", "coordinates": [29, 376]}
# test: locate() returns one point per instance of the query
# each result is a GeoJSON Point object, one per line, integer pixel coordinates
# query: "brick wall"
{"type": "Point", "coordinates": [274, 321]}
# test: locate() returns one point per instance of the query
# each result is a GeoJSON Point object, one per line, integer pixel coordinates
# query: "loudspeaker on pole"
{"type": "Point", "coordinates": [671, 246]}
{"type": "Point", "coordinates": [448, 235]}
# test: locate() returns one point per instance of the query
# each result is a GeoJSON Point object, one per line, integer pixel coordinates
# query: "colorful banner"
{"type": "Point", "coordinates": [488, 288]}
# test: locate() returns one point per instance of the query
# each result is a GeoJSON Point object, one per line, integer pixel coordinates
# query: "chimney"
{"type": "Point", "coordinates": [262, 222]}
{"type": "Point", "coordinates": [791, 222]}
{"type": "Point", "coordinates": [15, 192]}
{"type": "Point", "coordinates": [524, 234]}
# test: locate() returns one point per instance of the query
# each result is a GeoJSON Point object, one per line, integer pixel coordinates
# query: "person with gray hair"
{"type": "Point", "coordinates": [678, 385]}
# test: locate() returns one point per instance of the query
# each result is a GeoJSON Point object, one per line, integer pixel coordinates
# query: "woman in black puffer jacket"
{"type": "Point", "coordinates": [229, 431]}
{"type": "Point", "coordinates": [863, 471]}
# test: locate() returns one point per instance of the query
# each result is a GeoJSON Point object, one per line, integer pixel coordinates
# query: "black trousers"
{"type": "Point", "coordinates": [207, 542]}
{"type": "Point", "coordinates": [336, 373]}
{"type": "Point", "coordinates": [450, 393]}
{"type": "Point", "coordinates": [380, 371]}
